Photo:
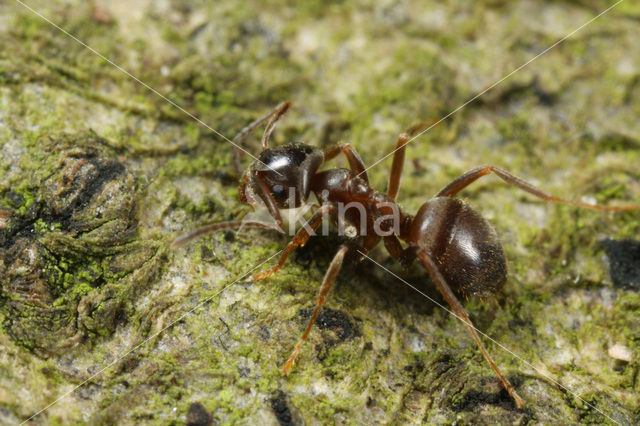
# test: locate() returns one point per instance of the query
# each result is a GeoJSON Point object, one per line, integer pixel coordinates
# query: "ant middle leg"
{"type": "Point", "coordinates": [461, 313]}
{"type": "Point", "coordinates": [398, 158]}
{"type": "Point", "coordinates": [471, 176]}
{"type": "Point", "coordinates": [327, 283]}
{"type": "Point", "coordinates": [272, 115]}
{"type": "Point", "coordinates": [397, 165]}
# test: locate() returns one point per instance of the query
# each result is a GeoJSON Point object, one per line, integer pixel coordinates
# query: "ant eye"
{"type": "Point", "coordinates": [278, 192]}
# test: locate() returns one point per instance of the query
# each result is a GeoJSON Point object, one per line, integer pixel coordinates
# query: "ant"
{"type": "Point", "coordinates": [453, 242]}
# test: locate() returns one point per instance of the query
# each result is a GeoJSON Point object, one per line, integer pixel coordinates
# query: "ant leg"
{"type": "Point", "coordinates": [459, 310]}
{"type": "Point", "coordinates": [272, 206]}
{"type": "Point", "coordinates": [404, 256]}
{"type": "Point", "coordinates": [327, 282]}
{"type": "Point", "coordinates": [471, 176]}
{"type": "Point", "coordinates": [397, 165]}
{"type": "Point", "coordinates": [398, 158]}
{"type": "Point", "coordinates": [393, 246]}
{"type": "Point", "coordinates": [355, 162]}
{"type": "Point", "coordinates": [246, 131]}
{"type": "Point", "coordinates": [300, 239]}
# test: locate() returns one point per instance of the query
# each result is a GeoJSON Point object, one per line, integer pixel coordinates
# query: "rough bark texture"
{"type": "Point", "coordinates": [98, 175]}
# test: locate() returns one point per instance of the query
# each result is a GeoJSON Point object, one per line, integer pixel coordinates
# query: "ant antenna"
{"type": "Point", "coordinates": [272, 116]}
{"type": "Point", "coordinates": [277, 113]}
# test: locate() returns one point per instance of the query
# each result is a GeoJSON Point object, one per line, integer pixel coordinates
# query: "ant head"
{"type": "Point", "coordinates": [282, 175]}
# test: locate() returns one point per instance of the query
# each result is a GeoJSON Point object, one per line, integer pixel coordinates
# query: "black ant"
{"type": "Point", "coordinates": [451, 240]}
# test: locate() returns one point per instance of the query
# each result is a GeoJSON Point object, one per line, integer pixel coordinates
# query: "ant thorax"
{"type": "Point", "coordinates": [359, 209]}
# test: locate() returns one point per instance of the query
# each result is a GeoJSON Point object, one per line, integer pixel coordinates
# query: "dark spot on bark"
{"type": "Point", "coordinates": [244, 371]}
{"type": "Point", "coordinates": [129, 363]}
{"type": "Point", "coordinates": [519, 91]}
{"type": "Point", "coordinates": [517, 324]}
{"type": "Point", "coordinates": [624, 262]}
{"type": "Point", "coordinates": [415, 368]}
{"type": "Point", "coordinates": [227, 178]}
{"type": "Point", "coordinates": [444, 363]}
{"type": "Point", "coordinates": [336, 321]}
{"type": "Point", "coordinates": [198, 415]}
{"type": "Point", "coordinates": [21, 226]}
{"type": "Point", "coordinates": [319, 249]}
{"type": "Point", "coordinates": [281, 409]}
{"type": "Point", "coordinates": [15, 199]}
{"type": "Point", "coordinates": [56, 255]}
{"type": "Point", "coordinates": [501, 398]}
{"type": "Point", "coordinates": [87, 391]}
{"type": "Point", "coordinates": [105, 171]}
{"type": "Point", "coordinates": [264, 333]}
{"type": "Point", "coordinates": [206, 253]}
{"type": "Point", "coordinates": [120, 317]}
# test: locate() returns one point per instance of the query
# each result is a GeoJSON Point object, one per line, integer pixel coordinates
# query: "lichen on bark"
{"type": "Point", "coordinates": [98, 175]}
{"type": "Point", "coordinates": [68, 254]}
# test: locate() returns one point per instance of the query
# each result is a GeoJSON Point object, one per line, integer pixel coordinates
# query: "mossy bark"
{"type": "Point", "coordinates": [98, 175]}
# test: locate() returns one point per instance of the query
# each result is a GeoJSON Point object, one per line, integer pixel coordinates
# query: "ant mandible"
{"type": "Point", "coordinates": [451, 240]}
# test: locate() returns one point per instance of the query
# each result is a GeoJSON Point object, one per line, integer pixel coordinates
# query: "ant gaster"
{"type": "Point", "coordinates": [451, 240]}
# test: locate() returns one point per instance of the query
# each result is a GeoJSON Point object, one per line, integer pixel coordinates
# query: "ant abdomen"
{"type": "Point", "coordinates": [462, 243]}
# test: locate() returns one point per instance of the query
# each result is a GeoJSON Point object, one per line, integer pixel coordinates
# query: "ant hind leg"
{"type": "Point", "coordinates": [461, 313]}
{"type": "Point", "coordinates": [471, 176]}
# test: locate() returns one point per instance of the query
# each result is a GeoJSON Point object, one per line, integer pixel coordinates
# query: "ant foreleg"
{"type": "Point", "coordinates": [471, 176]}
{"type": "Point", "coordinates": [355, 162]}
{"type": "Point", "coordinates": [300, 239]}
{"type": "Point", "coordinates": [246, 131]}
{"type": "Point", "coordinates": [327, 283]}
{"type": "Point", "coordinates": [460, 312]}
